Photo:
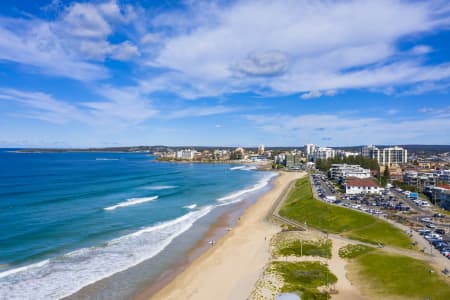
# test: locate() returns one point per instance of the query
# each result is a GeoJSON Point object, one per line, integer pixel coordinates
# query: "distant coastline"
{"type": "Point", "coordinates": [262, 165]}
{"type": "Point", "coordinates": [98, 150]}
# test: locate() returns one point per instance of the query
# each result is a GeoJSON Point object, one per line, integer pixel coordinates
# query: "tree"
{"type": "Point", "coordinates": [386, 173]}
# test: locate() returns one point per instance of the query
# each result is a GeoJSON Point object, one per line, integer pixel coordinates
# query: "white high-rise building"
{"type": "Point", "coordinates": [309, 150]}
{"type": "Point", "coordinates": [387, 156]}
{"type": "Point", "coordinates": [323, 153]}
{"type": "Point", "coordinates": [185, 154]}
{"type": "Point", "coordinates": [261, 149]}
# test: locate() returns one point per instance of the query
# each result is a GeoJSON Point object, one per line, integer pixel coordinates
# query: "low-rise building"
{"type": "Point", "coordinates": [419, 179]}
{"type": "Point", "coordinates": [356, 186]}
{"type": "Point", "coordinates": [444, 176]}
{"type": "Point", "coordinates": [346, 154]}
{"type": "Point", "coordinates": [221, 154]}
{"type": "Point", "coordinates": [339, 172]}
{"type": "Point", "coordinates": [441, 194]}
{"type": "Point", "coordinates": [292, 160]}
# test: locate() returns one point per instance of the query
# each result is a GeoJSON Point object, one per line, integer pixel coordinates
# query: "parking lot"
{"type": "Point", "coordinates": [393, 204]}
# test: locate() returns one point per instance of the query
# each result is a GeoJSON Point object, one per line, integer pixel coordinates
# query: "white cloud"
{"type": "Point", "coordinates": [439, 112]}
{"type": "Point", "coordinates": [85, 21]}
{"type": "Point", "coordinates": [313, 48]}
{"type": "Point", "coordinates": [269, 63]}
{"type": "Point", "coordinates": [304, 46]}
{"type": "Point", "coordinates": [317, 94]}
{"type": "Point", "coordinates": [124, 51]}
{"type": "Point", "coordinates": [36, 45]}
{"type": "Point", "coordinates": [150, 38]}
{"type": "Point", "coordinates": [120, 109]}
{"type": "Point", "coordinates": [311, 95]}
{"type": "Point", "coordinates": [350, 130]}
{"type": "Point", "coordinates": [392, 111]}
{"type": "Point", "coordinates": [421, 49]}
{"type": "Point", "coordinates": [69, 45]}
{"type": "Point", "coordinates": [330, 93]}
{"type": "Point", "coordinates": [200, 112]}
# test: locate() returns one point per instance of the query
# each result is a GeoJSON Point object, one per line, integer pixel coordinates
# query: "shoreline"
{"type": "Point", "coordinates": [216, 232]}
{"type": "Point", "coordinates": [237, 258]}
{"type": "Point", "coordinates": [231, 162]}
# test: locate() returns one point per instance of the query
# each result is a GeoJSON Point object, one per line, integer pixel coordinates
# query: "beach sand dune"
{"type": "Point", "coordinates": [230, 269]}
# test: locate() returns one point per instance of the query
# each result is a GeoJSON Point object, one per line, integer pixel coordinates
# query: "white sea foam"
{"type": "Point", "coordinates": [159, 187]}
{"type": "Point", "coordinates": [244, 168]}
{"type": "Point", "coordinates": [131, 202]}
{"type": "Point", "coordinates": [192, 206]}
{"type": "Point", "coordinates": [240, 195]}
{"type": "Point", "coordinates": [100, 158]}
{"type": "Point", "coordinates": [24, 268]}
{"type": "Point", "coordinates": [62, 276]}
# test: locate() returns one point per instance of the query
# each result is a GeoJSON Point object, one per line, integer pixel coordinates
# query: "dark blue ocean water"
{"type": "Point", "coordinates": [70, 219]}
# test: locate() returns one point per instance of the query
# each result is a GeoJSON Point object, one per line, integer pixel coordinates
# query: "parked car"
{"type": "Point", "coordinates": [431, 225]}
{"type": "Point", "coordinates": [423, 231]}
{"type": "Point", "coordinates": [439, 231]}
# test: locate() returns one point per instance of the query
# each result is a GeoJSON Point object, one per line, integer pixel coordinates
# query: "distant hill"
{"type": "Point", "coordinates": [156, 148]}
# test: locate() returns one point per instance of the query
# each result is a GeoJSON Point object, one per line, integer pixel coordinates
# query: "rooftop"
{"type": "Point", "coordinates": [367, 182]}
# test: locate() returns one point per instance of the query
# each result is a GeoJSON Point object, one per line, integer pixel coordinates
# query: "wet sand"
{"type": "Point", "coordinates": [229, 269]}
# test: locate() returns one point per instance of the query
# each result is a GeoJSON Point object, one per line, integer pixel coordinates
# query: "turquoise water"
{"type": "Point", "coordinates": [71, 219]}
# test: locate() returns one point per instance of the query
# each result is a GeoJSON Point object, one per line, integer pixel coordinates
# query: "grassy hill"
{"type": "Point", "coordinates": [384, 275]}
{"type": "Point", "coordinates": [302, 207]}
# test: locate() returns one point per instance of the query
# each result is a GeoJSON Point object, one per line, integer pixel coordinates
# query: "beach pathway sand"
{"type": "Point", "coordinates": [231, 268]}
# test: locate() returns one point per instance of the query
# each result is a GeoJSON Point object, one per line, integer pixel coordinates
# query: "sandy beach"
{"type": "Point", "coordinates": [230, 269]}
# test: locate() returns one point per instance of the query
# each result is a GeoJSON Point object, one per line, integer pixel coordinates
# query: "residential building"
{"type": "Point", "coordinates": [386, 156]}
{"type": "Point", "coordinates": [187, 154]}
{"type": "Point", "coordinates": [309, 149]}
{"type": "Point", "coordinates": [345, 154]}
{"type": "Point", "coordinates": [292, 160]}
{"type": "Point", "coordinates": [221, 154]}
{"type": "Point", "coordinates": [339, 172]}
{"type": "Point", "coordinates": [280, 159]}
{"type": "Point", "coordinates": [355, 186]}
{"type": "Point", "coordinates": [238, 153]}
{"type": "Point", "coordinates": [444, 176]}
{"type": "Point", "coordinates": [323, 153]}
{"type": "Point", "coordinates": [257, 157]}
{"type": "Point", "coordinates": [441, 194]}
{"type": "Point", "coordinates": [419, 179]}
{"type": "Point", "coordinates": [261, 149]}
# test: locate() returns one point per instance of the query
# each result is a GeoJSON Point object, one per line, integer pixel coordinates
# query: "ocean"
{"type": "Point", "coordinates": [68, 220]}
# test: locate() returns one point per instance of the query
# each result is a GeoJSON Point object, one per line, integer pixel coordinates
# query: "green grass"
{"type": "Point", "coordinates": [302, 207]}
{"type": "Point", "coordinates": [352, 251]}
{"type": "Point", "coordinates": [304, 278]}
{"type": "Point", "coordinates": [320, 248]}
{"type": "Point", "coordinates": [395, 275]}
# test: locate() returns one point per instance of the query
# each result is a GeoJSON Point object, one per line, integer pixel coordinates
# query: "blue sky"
{"type": "Point", "coordinates": [231, 73]}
